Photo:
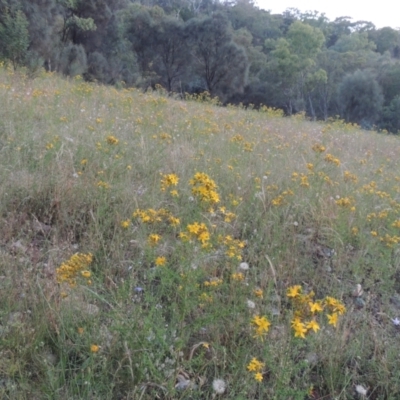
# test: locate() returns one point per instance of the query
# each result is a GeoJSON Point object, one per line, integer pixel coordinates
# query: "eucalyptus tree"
{"type": "Point", "coordinates": [217, 60]}
{"type": "Point", "coordinates": [292, 65]}
{"type": "Point", "coordinates": [361, 98]}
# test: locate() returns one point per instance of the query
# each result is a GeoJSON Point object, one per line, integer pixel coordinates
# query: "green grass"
{"type": "Point", "coordinates": [78, 160]}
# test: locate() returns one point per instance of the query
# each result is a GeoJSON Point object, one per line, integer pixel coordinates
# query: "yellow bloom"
{"type": "Point", "coordinates": [169, 180]}
{"type": "Point", "coordinates": [94, 348]}
{"type": "Point", "coordinates": [160, 261]}
{"type": "Point", "coordinates": [112, 140]}
{"type": "Point", "coordinates": [174, 221]}
{"type": "Point", "coordinates": [333, 319]}
{"type": "Point", "coordinates": [258, 376]}
{"type": "Point", "coordinates": [153, 239]}
{"type": "Point", "coordinates": [86, 274]}
{"type": "Point", "coordinates": [261, 325]}
{"type": "Point", "coordinates": [258, 293]}
{"type": "Point", "coordinates": [255, 365]}
{"type": "Point", "coordinates": [237, 276]}
{"type": "Point", "coordinates": [319, 148]}
{"type": "Point", "coordinates": [80, 330]}
{"type": "Point", "coordinates": [313, 325]}
{"type": "Point", "coordinates": [315, 307]}
{"type": "Point", "coordinates": [300, 330]}
{"type": "Point", "coordinates": [396, 224]}
{"type": "Point", "coordinates": [125, 224]}
{"type": "Point", "coordinates": [293, 291]}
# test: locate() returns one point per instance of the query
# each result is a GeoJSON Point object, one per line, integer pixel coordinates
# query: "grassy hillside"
{"type": "Point", "coordinates": [152, 248]}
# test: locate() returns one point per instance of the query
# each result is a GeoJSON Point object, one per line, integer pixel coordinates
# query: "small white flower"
{"type": "Point", "coordinates": [251, 304]}
{"type": "Point", "coordinates": [244, 266]}
{"type": "Point", "coordinates": [295, 223]}
{"type": "Point", "coordinates": [361, 390]}
{"type": "Point", "coordinates": [219, 386]}
{"type": "Point", "coordinates": [396, 321]}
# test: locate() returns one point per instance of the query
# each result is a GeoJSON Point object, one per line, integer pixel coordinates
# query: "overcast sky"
{"type": "Point", "coordinates": [381, 13]}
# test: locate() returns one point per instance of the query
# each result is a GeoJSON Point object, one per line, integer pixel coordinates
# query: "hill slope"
{"type": "Point", "coordinates": [155, 248]}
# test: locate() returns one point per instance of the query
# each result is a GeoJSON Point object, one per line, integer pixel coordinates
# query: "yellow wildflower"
{"type": "Point", "coordinates": [94, 348]}
{"type": "Point", "coordinates": [112, 140]}
{"type": "Point", "coordinates": [160, 261]}
{"type": "Point", "coordinates": [313, 325]}
{"type": "Point", "coordinates": [293, 291]}
{"type": "Point", "coordinates": [125, 224]}
{"type": "Point", "coordinates": [255, 365]}
{"type": "Point", "coordinates": [315, 307]}
{"type": "Point", "coordinates": [237, 276]}
{"type": "Point", "coordinates": [333, 319]}
{"type": "Point", "coordinates": [261, 325]}
{"type": "Point", "coordinates": [169, 180]}
{"type": "Point", "coordinates": [153, 239]}
{"type": "Point", "coordinates": [258, 376]}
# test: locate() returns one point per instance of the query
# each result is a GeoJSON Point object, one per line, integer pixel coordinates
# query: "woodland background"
{"type": "Point", "coordinates": [297, 62]}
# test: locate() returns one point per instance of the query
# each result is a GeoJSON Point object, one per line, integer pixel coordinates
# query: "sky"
{"type": "Point", "coordinates": [381, 13]}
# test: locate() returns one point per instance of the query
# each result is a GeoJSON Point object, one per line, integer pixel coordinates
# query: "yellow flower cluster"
{"type": "Point", "coordinates": [151, 216]}
{"type": "Point", "coordinates": [213, 282]}
{"type": "Point", "coordinates": [205, 298]}
{"type": "Point", "coordinates": [349, 177]}
{"type": "Point", "coordinates": [256, 367]}
{"type": "Point", "coordinates": [261, 325]}
{"type": "Point", "coordinates": [329, 158]}
{"type": "Point", "coordinates": [280, 200]}
{"type": "Point", "coordinates": [396, 224]}
{"type": "Point", "coordinates": [112, 140]}
{"type": "Point", "coordinates": [102, 184]}
{"type": "Point", "coordinates": [204, 188]}
{"type": "Point", "coordinates": [197, 231]}
{"type": "Point", "coordinates": [319, 148]}
{"type": "Point", "coordinates": [233, 246]}
{"type": "Point", "coordinates": [153, 239]}
{"type": "Point", "coordinates": [168, 180]}
{"type": "Point", "coordinates": [390, 240]}
{"type": "Point", "coordinates": [306, 310]}
{"type": "Point", "coordinates": [228, 216]}
{"type": "Point", "coordinates": [237, 276]}
{"type": "Point", "coordinates": [76, 266]}
{"type": "Point", "coordinates": [237, 138]}
{"type": "Point", "coordinates": [345, 202]}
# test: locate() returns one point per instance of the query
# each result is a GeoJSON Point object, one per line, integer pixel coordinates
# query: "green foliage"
{"type": "Point", "coordinates": [292, 64]}
{"type": "Point", "coordinates": [361, 98]}
{"type": "Point", "coordinates": [391, 116]}
{"type": "Point", "coordinates": [218, 61]}
{"type": "Point", "coordinates": [73, 60]}
{"type": "Point", "coordinates": [14, 37]}
{"type": "Point", "coordinates": [354, 42]}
